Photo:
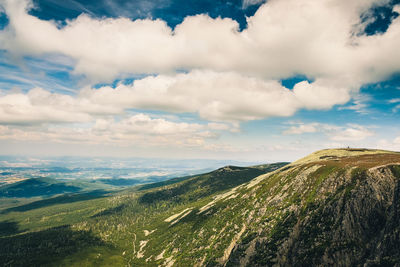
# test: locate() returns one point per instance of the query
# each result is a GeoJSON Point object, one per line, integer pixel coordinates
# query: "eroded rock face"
{"type": "Point", "coordinates": [352, 221]}
{"type": "Point", "coordinates": [334, 207]}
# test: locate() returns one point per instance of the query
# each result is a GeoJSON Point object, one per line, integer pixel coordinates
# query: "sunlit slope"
{"type": "Point", "coordinates": [337, 208]}
{"type": "Point", "coordinates": [339, 153]}
{"type": "Point", "coordinates": [334, 207]}
{"type": "Point", "coordinates": [201, 186]}
{"type": "Point", "coordinates": [94, 228]}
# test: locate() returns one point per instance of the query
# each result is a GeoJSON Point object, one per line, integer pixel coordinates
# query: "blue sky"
{"type": "Point", "coordinates": [240, 79]}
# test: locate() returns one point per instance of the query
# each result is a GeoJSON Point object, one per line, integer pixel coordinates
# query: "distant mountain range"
{"type": "Point", "coordinates": [334, 207]}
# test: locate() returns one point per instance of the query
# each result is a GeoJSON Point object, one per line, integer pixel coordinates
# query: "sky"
{"type": "Point", "coordinates": [245, 80]}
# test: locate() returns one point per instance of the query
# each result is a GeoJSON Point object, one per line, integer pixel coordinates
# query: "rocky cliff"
{"type": "Point", "coordinates": [340, 208]}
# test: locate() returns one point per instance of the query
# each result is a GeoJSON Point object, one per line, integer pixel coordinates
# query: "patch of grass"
{"type": "Point", "coordinates": [66, 198]}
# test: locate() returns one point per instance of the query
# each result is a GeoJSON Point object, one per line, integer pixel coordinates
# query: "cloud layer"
{"type": "Point", "coordinates": [204, 66]}
{"type": "Point", "coordinates": [285, 37]}
{"type": "Point", "coordinates": [230, 75]}
{"type": "Point", "coordinates": [214, 96]}
{"type": "Point", "coordinates": [139, 130]}
{"type": "Point", "coordinates": [351, 132]}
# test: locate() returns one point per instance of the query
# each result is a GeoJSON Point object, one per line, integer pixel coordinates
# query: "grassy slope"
{"type": "Point", "coordinates": [198, 220]}
{"type": "Point", "coordinates": [100, 229]}
{"type": "Point", "coordinates": [44, 187]}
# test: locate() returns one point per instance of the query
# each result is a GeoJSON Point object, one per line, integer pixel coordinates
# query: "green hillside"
{"type": "Point", "coordinates": [336, 207]}
{"type": "Point", "coordinates": [200, 186]}
{"type": "Point", "coordinates": [37, 187]}
{"type": "Point", "coordinates": [45, 187]}
{"type": "Point", "coordinates": [67, 213]}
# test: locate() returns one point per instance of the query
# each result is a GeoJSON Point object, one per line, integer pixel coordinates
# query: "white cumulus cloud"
{"type": "Point", "coordinates": [204, 66]}
{"type": "Point", "coordinates": [355, 133]}
{"type": "Point", "coordinates": [214, 96]}
{"type": "Point", "coordinates": [283, 38]}
{"type": "Point", "coordinates": [350, 132]}
{"type": "Point", "coordinates": [140, 130]}
{"type": "Point", "coordinates": [302, 128]}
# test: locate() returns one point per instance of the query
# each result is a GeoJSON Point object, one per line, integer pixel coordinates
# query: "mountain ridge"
{"type": "Point", "coordinates": [341, 209]}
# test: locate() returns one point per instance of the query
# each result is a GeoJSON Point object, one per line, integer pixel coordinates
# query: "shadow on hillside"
{"type": "Point", "coordinates": [164, 183]}
{"type": "Point", "coordinates": [45, 247]}
{"type": "Point", "coordinates": [8, 228]}
{"type": "Point", "coordinates": [111, 211]}
{"type": "Point", "coordinates": [37, 187]}
{"type": "Point", "coordinates": [63, 199]}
